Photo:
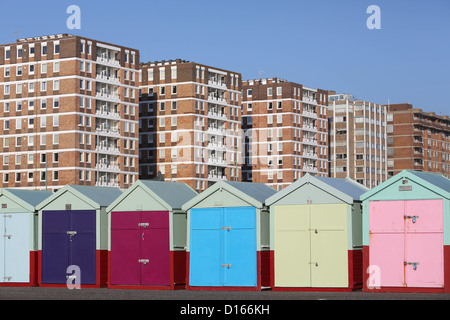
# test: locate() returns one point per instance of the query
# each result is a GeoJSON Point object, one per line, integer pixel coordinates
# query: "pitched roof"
{"type": "Point", "coordinates": [253, 193]}
{"type": "Point", "coordinates": [174, 194]}
{"type": "Point", "coordinates": [104, 196]}
{"type": "Point", "coordinates": [345, 189]}
{"type": "Point", "coordinates": [95, 196]}
{"type": "Point", "coordinates": [433, 181]}
{"type": "Point", "coordinates": [31, 197]}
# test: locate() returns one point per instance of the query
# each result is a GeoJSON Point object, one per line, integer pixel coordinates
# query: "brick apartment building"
{"type": "Point", "coordinates": [285, 131]}
{"type": "Point", "coordinates": [68, 113]}
{"type": "Point", "coordinates": [417, 140]}
{"type": "Point", "coordinates": [358, 139]}
{"type": "Point", "coordinates": [190, 123]}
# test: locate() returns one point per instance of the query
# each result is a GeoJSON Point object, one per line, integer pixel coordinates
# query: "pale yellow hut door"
{"type": "Point", "coordinates": [310, 246]}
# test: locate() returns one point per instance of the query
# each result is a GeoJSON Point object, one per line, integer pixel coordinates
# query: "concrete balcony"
{"type": "Point", "coordinates": [216, 161]}
{"type": "Point", "coordinates": [216, 131]}
{"type": "Point", "coordinates": [217, 100]}
{"type": "Point", "coordinates": [108, 131]}
{"type": "Point", "coordinates": [109, 62]}
{"type": "Point", "coordinates": [217, 115]}
{"type": "Point", "coordinates": [217, 146]}
{"type": "Point", "coordinates": [217, 84]}
{"type": "Point", "coordinates": [309, 168]}
{"type": "Point", "coordinates": [309, 100]}
{"type": "Point", "coordinates": [108, 114]}
{"type": "Point", "coordinates": [111, 183]}
{"type": "Point", "coordinates": [216, 177]}
{"type": "Point", "coordinates": [109, 96]}
{"type": "Point", "coordinates": [107, 167]}
{"type": "Point", "coordinates": [110, 79]}
{"type": "Point", "coordinates": [107, 150]}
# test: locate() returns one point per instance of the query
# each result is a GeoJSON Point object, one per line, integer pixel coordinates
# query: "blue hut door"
{"type": "Point", "coordinates": [239, 238]}
{"type": "Point", "coordinates": [223, 247]}
{"type": "Point", "coordinates": [16, 247]}
{"type": "Point", "coordinates": [205, 257]}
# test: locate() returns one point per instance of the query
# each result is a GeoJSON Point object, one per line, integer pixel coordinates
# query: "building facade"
{"type": "Point", "coordinates": [417, 140]}
{"type": "Point", "coordinates": [190, 123]}
{"type": "Point", "coordinates": [68, 113]}
{"type": "Point", "coordinates": [358, 139]}
{"type": "Point", "coordinates": [285, 131]}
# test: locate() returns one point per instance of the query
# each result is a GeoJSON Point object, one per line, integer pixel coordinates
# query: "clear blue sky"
{"type": "Point", "coordinates": [318, 43]}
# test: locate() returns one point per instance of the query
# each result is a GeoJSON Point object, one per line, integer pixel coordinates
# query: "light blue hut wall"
{"type": "Point", "coordinates": [391, 192]}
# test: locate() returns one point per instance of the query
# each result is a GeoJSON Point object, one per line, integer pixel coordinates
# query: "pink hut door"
{"type": "Point", "coordinates": [125, 248]}
{"type": "Point", "coordinates": [155, 254]}
{"type": "Point", "coordinates": [386, 241]}
{"type": "Point", "coordinates": [406, 242]}
{"type": "Point", "coordinates": [424, 240]}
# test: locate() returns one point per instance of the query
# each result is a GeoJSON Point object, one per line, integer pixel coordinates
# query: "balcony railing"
{"type": "Point", "coordinates": [111, 183]}
{"type": "Point", "coordinates": [216, 177]}
{"type": "Point", "coordinates": [106, 149]}
{"type": "Point", "coordinates": [108, 95]}
{"type": "Point", "coordinates": [104, 77]}
{"type": "Point", "coordinates": [106, 60]}
{"type": "Point", "coordinates": [216, 99]}
{"type": "Point", "coordinates": [108, 114]}
{"type": "Point", "coordinates": [216, 83]}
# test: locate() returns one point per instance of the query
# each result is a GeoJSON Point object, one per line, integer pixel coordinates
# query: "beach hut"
{"type": "Point", "coordinates": [315, 235]}
{"type": "Point", "coordinates": [18, 240]}
{"type": "Point", "coordinates": [73, 236]}
{"type": "Point", "coordinates": [228, 237]}
{"type": "Point", "coordinates": [147, 243]}
{"type": "Point", "coordinates": [406, 234]}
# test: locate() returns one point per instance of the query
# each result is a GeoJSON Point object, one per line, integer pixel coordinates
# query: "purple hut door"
{"type": "Point", "coordinates": [125, 248]}
{"type": "Point", "coordinates": [55, 246]}
{"type": "Point", "coordinates": [82, 244]}
{"type": "Point", "coordinates": [155, 252]}
{"type": "Point", "coordinates": [68, 238]}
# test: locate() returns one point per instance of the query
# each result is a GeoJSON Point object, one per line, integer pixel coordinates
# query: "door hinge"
{"type": "Point", "coordinates": [71, 233]}
{"type": "Point", "coordinates": [143, 224]}
{"type": "Point", "coordinates": [7, 236]}
{"type": "Point", "coordinates": [144, 261]}
{"type": "Point", "coordinates": [7, 278]}
{"type": "Point", "coordinates": [226, 265]}
{"type": "Point", "coordinates": [8, 216]}
{"type": "Point", "coordinates": [226, 228]}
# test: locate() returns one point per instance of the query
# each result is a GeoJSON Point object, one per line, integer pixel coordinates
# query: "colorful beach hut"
{"type": "Point", "coordinates": [147, 242]}
{"type": "Point", "coordinates": [406, 234]}
{"type": "Point", "coordinates": [315, 235]}
{"type": "Point", "coordinates": [18, 239]}
{"type": "Point", "coordinates": [73, 236]}
{"type": "Point", "coordinates": [228, 237]}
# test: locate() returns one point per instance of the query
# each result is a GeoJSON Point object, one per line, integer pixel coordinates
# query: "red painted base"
{"type": "Point", "coordinates": [177, 274]}
{"type": "Point", "coordinates": [354, 275]}
{"type": "Point", "coordinates": [262, 278]}
{"type": "Point", "coordinates": [314, 289]}
{"type": "Point", "coordinates": [445, 289]}
{"type": "Point", "coordinates": [101, 272]}
{"type": "Point", "coordinates": [33, 274]}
